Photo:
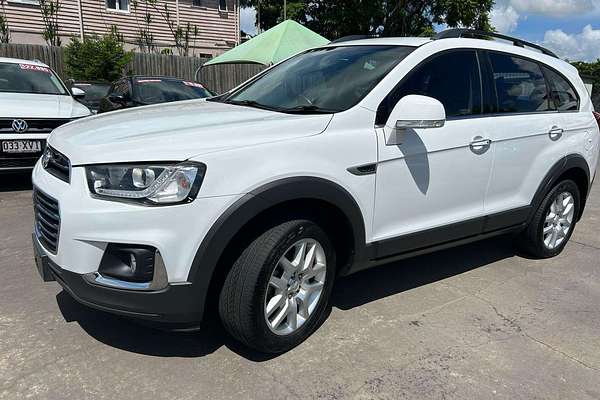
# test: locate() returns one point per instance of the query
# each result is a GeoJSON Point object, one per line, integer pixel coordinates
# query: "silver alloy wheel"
{"type": "Point", "coordinates": [295, 287]}
{"type": "Point", "coordinates": [559, 220]}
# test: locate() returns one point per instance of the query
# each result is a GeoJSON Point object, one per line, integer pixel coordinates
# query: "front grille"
{"type": "Point", "coordinates": [21, 162]}
{"type": "Point", "coordinates": [33, 125]}
{"type": "Point", "coordinates": [57, 164]}
{"type": "Point", "coordinates": [47, 220]}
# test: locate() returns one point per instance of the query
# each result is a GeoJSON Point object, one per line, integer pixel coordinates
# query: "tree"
{"type": "Point", "coordinates": [589, 69]}
{"type": "Point", "coordinates": [592, 70]}
{"type": "Point", "coordinates": [271, 11]}
{"type": "Point", "coordinates": [50, 10]}
{"type": "Point", "coordinates": [184, 36]}
{"type": "Point", "coordinates": [97, 58]}
{"type": "Point", "coordinates": [4, 30]}
{"type": "Point", "coordinates": [334, 19]}
{"type": "Point", "coordinates": [395, 18]}
{"type": "Point", "coordinates": [145, 37]}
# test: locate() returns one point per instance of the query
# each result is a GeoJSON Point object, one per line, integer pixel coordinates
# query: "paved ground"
{"type": "Point", "coordinates": [476, 322]}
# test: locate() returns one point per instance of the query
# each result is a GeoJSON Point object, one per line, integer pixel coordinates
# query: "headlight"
{"type": "Point", "coordinates": [152, 184]}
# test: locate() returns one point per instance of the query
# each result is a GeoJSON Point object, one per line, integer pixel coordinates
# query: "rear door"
{"type": "Point", "coordinates": [579, 126]}
{"type": "Point", "coordinates": [528, 134]}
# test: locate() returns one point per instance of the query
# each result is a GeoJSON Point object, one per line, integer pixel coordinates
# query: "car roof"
{"type": "Point", "coordinates": [388, 41]}
{"type": "Point", "coordinates": [458, 43]}
{"type": "Point", "coordinates": [74, 82]}
{"type": "Point", "coordinates": [20, 61]}
{"type": "Point", "coordinates": [155, 77]}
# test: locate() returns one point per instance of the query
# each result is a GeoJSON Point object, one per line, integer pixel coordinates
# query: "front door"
{"type": "Point", "coordinates": [431, 187]}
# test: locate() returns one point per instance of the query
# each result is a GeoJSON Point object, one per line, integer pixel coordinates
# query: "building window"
{"type": "Point", "coordinates": [28, 2]}
{"type": "Point", "coordinates": [118, 5]}
{"type": "Point", "coordinates": [222, 5]}
{"type": "Point", "coordinates": [197, 3]}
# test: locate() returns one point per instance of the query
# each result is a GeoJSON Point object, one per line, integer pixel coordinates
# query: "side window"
{"type": "Point", "coordinates": [561, 92]}
{"type": "Point", "coordinates": [520, 85]}
{"type": "Point", "coordinates": [452, 78]}
{"type": "Point", "coordinates": [121, 88]}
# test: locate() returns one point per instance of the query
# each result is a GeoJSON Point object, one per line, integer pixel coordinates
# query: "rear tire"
{"type": "Point", "coordinates": [553, 223]}
{"type": "Point", "coordinates": [272, 298]}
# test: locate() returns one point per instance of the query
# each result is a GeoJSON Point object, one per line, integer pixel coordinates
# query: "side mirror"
{"type": "Point", "coordinates": [77, 93]}
{"type": "Point", "coordinates": [117, 99]}
{"type": "Point", "coordinates": [414, 112]}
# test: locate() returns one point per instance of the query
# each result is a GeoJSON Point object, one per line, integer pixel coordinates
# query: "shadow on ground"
{"type": "Point", "coordinates": [15, 182]}
{"type": "Point", "coordinates": [349, 292]}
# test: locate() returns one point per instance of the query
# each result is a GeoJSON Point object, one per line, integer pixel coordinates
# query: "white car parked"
{"type": "Point", "coordinates": [33, 102]}
{"type": "Point", "coordinates": [339, 159]}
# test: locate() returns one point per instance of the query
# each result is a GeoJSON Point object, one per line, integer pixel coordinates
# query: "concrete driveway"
{"type": "Point", "coordinates": [475, 322]}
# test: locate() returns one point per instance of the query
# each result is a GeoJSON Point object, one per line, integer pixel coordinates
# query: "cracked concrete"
{"type": "Point", "coordinates": [472, 322]}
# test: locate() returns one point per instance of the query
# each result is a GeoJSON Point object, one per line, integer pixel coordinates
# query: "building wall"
{"type": "Point", "coordinates": [218, 31]}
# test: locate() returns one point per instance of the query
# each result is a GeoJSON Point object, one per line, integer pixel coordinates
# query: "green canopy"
{"type": "Point", "coordinates": [270, 47]}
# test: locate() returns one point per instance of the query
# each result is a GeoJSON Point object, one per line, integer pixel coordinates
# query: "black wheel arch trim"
{"type": "Point", "coordinates": [261, 199]}
{"type": "Point", "coordinates": [569, 162]}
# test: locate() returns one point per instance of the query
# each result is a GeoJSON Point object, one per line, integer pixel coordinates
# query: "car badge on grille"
{"type": "Point", "coordinates": [46, 157]}
{"type": "Point", "coordinates": [19, 126]}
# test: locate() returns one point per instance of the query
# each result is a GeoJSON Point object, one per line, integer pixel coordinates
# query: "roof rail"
{"type": "Point", "coordinates": [474, 34]}
{"type": "Point", "coordinates": [352, 37]}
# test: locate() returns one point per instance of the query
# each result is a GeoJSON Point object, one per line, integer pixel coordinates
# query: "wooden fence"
{"type": "Point", "coordinates": [218, 78]}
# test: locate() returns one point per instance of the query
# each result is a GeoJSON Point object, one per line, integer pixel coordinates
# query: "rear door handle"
{"type": "Point", "coordinates": [479, 145]}
{"type": "Point", "coordinates": [556, 132]}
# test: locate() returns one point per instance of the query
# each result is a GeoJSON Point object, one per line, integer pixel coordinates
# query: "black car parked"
{"type": "Point", "coordinates": [95, 91]}
{"type": "Point", "coordinates": [134, 91]}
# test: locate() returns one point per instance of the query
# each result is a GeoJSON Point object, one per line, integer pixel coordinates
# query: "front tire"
{"type": "Point", "coordinates": [553, 223]}
{"type": "Point", "coordinates": [277, 292]}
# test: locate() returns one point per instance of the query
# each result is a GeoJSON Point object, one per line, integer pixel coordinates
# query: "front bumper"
{"type": "Point", "coordinates": [177, 303]}
{"type": "Point", "coordinates": [88, 226]}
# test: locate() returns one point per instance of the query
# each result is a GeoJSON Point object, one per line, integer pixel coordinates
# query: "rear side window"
{"type": "Point", "coordinates": [520, 85]}
{"type": "Point", "coordinates": [561, 92]}
{"type": "Point", "coordinates": [452, 78]}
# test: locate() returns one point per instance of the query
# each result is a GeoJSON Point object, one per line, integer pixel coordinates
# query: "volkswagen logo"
{"type": "Point", "coordinates": [46, 157]}
{"type": "Point", "coordinates": [19, 126]}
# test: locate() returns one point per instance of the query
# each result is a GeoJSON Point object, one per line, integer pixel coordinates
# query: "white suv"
{"type": "Point", "coordinates": [339, 159]}
{"type": "Point", "coordinates": [33, 102]}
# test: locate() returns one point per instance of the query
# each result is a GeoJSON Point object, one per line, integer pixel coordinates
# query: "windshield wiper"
{"type": "Point", "coordinates": [251, 103]}
{"type": "Point", "coordinates": [308, 109]}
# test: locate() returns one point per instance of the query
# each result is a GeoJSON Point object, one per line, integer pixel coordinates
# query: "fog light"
{"type": "Point", "coordinates": [130, 263]}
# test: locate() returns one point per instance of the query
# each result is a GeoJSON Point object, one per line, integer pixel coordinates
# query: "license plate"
{"type": "Point", "coordinates": [21, 146]}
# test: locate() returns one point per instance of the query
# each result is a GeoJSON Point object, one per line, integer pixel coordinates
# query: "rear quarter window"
{"type": "Point", "coordinates": [562, 92]}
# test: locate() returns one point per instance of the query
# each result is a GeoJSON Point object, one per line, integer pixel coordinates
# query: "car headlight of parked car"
{"type": "Point", "coordinates": [149, 184]}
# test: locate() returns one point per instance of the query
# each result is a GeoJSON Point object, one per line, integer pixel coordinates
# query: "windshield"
{"type": "Point", "coordinates": [29, 78]}
{"type": "Point", "coordinates": [331, 79]}
{"type": "Point", "coordinates": [156, 90]}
